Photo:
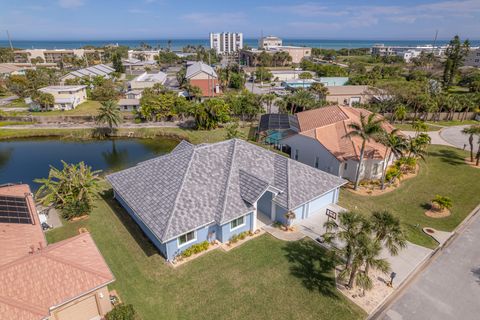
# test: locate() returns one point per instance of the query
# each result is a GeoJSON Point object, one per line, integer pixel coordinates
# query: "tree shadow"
{"type": "Point", "coordinates": [142, 240]}
{"type": "Point", "coordinates": [476, 273]}
{"type": "Point", "coordinates": [426, 206]}
{"type": "Point", "coordinates": [313, 265]}
{"type": "Point", "coordinates": [448, 156]}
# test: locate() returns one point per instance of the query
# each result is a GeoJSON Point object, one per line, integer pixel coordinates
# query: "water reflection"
{"type": "Point", "coordinates": [5, 155]}
{"type": "Point", "coordinates": [114, 158]}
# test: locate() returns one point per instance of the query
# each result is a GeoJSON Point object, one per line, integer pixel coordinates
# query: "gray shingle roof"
{"type": "Point", "coordinates": [197, 185]}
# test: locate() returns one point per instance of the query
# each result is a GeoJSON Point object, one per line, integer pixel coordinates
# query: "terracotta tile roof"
{"type": "Point", "coordinates": [34, 284]}
{"type": "Point", "coordinates": [329, 125]}
{"type": "Point", "coordinates": [17, 239]}
{"type": "Point", "coordinates": [207, 86]}
{"type": "Point", "coordinates": [347, 90]}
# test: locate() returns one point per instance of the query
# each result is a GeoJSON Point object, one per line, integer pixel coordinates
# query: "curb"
{"type": "Point", "coordinates": [379, 310]}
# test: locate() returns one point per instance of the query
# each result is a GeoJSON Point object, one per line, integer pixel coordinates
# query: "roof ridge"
{"type": "Point", "coordinates": [178, 193]}
{"type": "Point", "coordinates": [227, 181]}
{"type": "Point", "coordinates": [287, 167]}
{"type": "Point", "coordinates": [30, 306]}
{"type": "Point", "coordinates": [349, 138]}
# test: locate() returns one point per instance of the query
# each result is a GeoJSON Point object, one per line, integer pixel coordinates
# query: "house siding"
{"type": "Point", "coordinates": [226, 234]}
{"type": "Point", "coordinates": [160, 246]}
{"type": "Point", "coordinates": [201, 235]}
{"type": "Point", "coordinates": [264, 204]}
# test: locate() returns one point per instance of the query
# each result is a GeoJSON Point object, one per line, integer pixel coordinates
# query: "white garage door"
{"type": "Point", "coordinates": [85, 309]}
{"type": "Point", "coordinates": [318, 204]}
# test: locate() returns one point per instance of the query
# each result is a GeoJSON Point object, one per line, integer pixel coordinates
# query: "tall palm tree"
{"type": "Point", "coordinates": [268, 98]}
{"type": "Point", "coordinates": [471, 132]}
{"type": "Point", "coordinates": [319, 89]}
{"type": "Point", "coordinates": [388, 231]}
{"type": "Point", "coordinates": [351, 227]}
{"type": "Point", "coordinates": [109, 114]}
{"type": "Point", "coordinates": [369, 128]}
{"type": "Point", "coordinates": [394, 145]}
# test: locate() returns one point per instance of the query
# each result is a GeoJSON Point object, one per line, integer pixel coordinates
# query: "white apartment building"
{"type": "Point", "coordinates": [473, 58]}
{"type": "Point", "coordinates": [53, 55]}
{"type": "Point", "coordinates": [226, 42]}
{"type": "Point", "coordinates": [269, 42]}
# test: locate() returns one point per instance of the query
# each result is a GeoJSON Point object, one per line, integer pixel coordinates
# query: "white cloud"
{"type": "Point", "coordinates": [71, 3]}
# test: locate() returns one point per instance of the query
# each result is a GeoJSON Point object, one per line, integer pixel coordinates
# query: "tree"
{"type": "Point", "coordinates": [181, 77]}
{"type": "Point", "coordinates": [319, 89]}
{"type": "Point", "coordinates": [305, 76]}
{"type": "Point", "coordinates": [419, 126]}
{"type": "Point", "coordinates": [388, 231]}
{"type": "Point", "coordinates": [245, 104]}
{"type": "Point", "coordinates": [45, 100]}
{"type": "Point", "coordinates": [263, 74]}
{"type": "Point", "coordinates": [233, 131]}
{"type": "Point", "coordinates": [369, 128]}
{"type": "Point", "coordinates": [301, 99]}
{"type": "Point", "coordinates": [471, 131]}
{"type": "Point", "coordinates": [122, 312]}
{"type": "Point", "coordinates": [268, 99]}
{"type": "Point", "coordinates": [194, 92]}
{"type": "Point", "coordinates": [117, 63]}
{"type": "Point", "coordinates": [210, 113]}
{"type": "Point", "coordinates": [400, 113]}
{"type": "Point", "coordinates": [158, 103]}
{"type": "Point", "coordinates": [455, 55]}
{"type": "Point", "coordinates": [441, 202]}
{"type": "Point", "coordinates": [394, 145]}
{"type": "Point", "coordinates": [71, 189]}
{"type": "Point", "coordinates": [104, 92]}
{"type": "Point", "coordinates": [109, 114]}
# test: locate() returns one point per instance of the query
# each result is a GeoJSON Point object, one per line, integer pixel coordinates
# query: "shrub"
{"type": "Point", "coordinates": [441, 202]}
{"type": "Point", "coordinates": [122, 312]}
{"type": "Point", "coordinates": [196, 248]}
{"type": "Point", "coordinates": [392, 174]}
{"type": "Point", "coordinates": [235, 238]}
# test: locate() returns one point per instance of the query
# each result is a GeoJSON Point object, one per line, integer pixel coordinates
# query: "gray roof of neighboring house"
{"type": "Point", "coordinates": [197, 185]}
{"type": "Point", "coordinates": [196, 67]}
{"type": "Point", "coordinates": [159, 77]}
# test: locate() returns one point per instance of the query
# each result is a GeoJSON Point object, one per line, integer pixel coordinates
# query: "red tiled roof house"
{"type": "Point", "coordinates": [63, 281]}
{"type": "Point", "coordinates": [322, 143]}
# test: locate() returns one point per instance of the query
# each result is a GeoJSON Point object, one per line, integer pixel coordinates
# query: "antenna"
{"type": "Point", "coordinates": [9, 40]}
{"type": "Point", "coordinates": [435, 40]}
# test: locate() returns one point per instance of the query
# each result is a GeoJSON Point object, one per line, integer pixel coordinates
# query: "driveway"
{"type": "Point", "coordinates": [450, 286]}
{"type": "Point", "coordinates": [454, 136]}
{"type": "Point", "coordinates": [434, 135]}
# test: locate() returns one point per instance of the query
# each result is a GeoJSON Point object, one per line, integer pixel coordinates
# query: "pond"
{"type": "Point", "coordinates": [27, 159]}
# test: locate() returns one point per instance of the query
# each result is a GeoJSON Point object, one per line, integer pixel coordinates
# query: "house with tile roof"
{"type": "Point", "coordinates": [65, 97]}
{"type": "Point", "coordinates": [322, 143]}
{"type": "Point", "coordinates": [214, 191]}
{"type": "Point", "coordinates": [64, 281]}
{"type": "Point", "coordinates": [203, 76]}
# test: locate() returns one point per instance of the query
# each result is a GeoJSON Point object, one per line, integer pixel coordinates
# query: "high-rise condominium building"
{"type": "Point", "coordinates": [226, 42]}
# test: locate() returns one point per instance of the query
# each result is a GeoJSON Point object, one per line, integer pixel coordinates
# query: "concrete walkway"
{"type": "Point", "coordinates": [284, 235]}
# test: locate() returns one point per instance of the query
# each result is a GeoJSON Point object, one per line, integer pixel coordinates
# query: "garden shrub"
{"type": "Point", "coordinates": [122, 312]}
{"type": "Point", "coordinates": [235, 238]}
{"type": "Point", "coordinates": [196, 248]}
{"type": "Point", "coordinates": [392, 174]}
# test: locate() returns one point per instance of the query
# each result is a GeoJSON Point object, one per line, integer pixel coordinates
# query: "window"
{"type": "Point", "coordinates": [186, 238]}
{"type": "Point", "coordinates": [317, 162]}
{"type": "Point", "coordinates": [237, 223]}
{"type": "Point", "coordinates": [296, 154]}
{"type": "Point", "coordinates": [345, 166]}
{"type": "Point", "coordinates": [375, 168]}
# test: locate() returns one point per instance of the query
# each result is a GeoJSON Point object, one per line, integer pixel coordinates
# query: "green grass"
{"type": "Point", "coordinates": [264, 278]}
{"type": "Point", "coordinates": [88, 108]}
{"type": "Point", "coordinates": [444, 173]}
{"type": "Point", "coordinates": [17, 103]}
{"type": "Point", "coordinates": [408, 127]}
{"type": "Point", "coordinates": [14, 123]}
{"type": "Point", "coordinates": [452, 123]}
{"type": "Point", "coordinates": [194, 136]}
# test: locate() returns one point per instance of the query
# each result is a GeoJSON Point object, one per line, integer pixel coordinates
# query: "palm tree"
{"type": "Point", "coordinates": [109, 114]}
{"type": "Point", "coordinates": [351, 227]}
{"type": "Point", "coordinates": [394, 144]}
{"type": "Point", "coordinates": [471, 131]}
{"type": "Point", "coordinates": [388, 231]}
{"type": "Point", "coordinates": [268, 98]}
{"type": "Point", "coordinates": [320, 89]}
{"type": "Point", "coordinates": [400, 113]}
{"type": "Point", "coordinates": [368, 128]}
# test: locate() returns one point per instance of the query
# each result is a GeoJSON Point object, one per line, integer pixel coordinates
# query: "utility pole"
{"type": "Point", "coordinates": [435, 41]}
{"type": "Point", "coordinates": [9, 40]}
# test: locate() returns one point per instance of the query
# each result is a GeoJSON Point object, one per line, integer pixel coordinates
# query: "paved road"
{"type": "Point", "coordinates": [4, 101]}
{"type": "Point", "coordinates": [434, 135]}
{"type": "Point", "coordinates": [450, 286]}
{"type": "Point", "coordinates": [454, 136]}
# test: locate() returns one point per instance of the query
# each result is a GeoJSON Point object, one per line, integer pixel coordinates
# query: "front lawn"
{"type": "Point", "coordinates": [408, 127]}
{"type": "Point", "coordinates": [88, 108]}
{"type": "Point", "coordinates": [265, 278]}
{"type": "Point", "coordinates": [444, 173]}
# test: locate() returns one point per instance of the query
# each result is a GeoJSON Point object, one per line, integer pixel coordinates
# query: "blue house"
{"type": "Point", "coordinates": [214, 191]}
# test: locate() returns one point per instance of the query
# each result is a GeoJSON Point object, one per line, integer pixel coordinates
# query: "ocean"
{"type": "Point", "coordinates": [178, 44]}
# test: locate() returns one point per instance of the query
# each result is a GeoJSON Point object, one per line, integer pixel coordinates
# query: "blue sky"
{"type": "Point", "coordinates": [163, 19]}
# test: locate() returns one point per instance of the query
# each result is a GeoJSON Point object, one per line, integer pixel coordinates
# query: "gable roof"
{"type": "Point", "coordinates": [197, 67]}
{"type": "Point", "coordinates": [34, 284]}
{"type": "Point", "coordinates": [96, 70]}
{"type": "Point", "coordinates": [197, 185]}
{"type": "Point", "coordinates": [348, 90]}
{"type": "Point", "coordinates": [18, 239]}
{"type": "Point", "coordinates": [330, 125]}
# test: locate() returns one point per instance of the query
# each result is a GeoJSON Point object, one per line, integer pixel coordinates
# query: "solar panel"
{"type": "Point", "coordinates": [14, 210]}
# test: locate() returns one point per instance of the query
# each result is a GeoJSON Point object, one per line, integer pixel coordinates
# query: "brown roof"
{"type": "Point", "coordinates": [329, 125]}
{"type": "Point", "coordinates": [347, 90]}
{"type": "Point", "coordinates": [18, 239]}
{"type": "Point", "coordinates": [207, 86]}
{"type": "Point", "coordinates": [34, 284]}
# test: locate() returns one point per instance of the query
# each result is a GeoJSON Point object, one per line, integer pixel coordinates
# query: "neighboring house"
{"type": "Point", "coordinates": [144, 55]}
{"type": "Point", "coordinates": [203, 76]}
{"type": "Point", "coordinates": [269, 42]}
{"type": "Point", "coordinates": [90, 72]}
{"type": "Point", "coordinates": [134, 94]}
{"type": "Point", "coordinates": [349, 95]}
{"type": "Point", "coordinates": [8, 69]}
{"type": "Point", "coordinates": [53, 55]}
{"type": "Point", "coordinates": [473, 58]}
{"type": "Point", "coordinates": [322, 143]}
{"type": "Point", "coordinates": [135, 64]}
{"type": "Point", "coordinates": [66, 97]}
{"type": "Point", "coordinates": [148, 80]}
{"type": "Point", "coordinates": [63, 281]}
{"type": "Point", "coordinates": [289, 74]}
{"type": "Point", "coordinates": [250, 57]}
{"type": "Point", "coordinates": [129, 104]}
{"type": "Point", "coordinates": [214, 191]}
{"type": "Point", "coordinates": [332, 81]}
{"type": "Point", "coordinates": [226, 42]}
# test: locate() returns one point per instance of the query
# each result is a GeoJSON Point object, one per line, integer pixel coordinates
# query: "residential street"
{"type": "Point", "coordinates": [454, 136]}
{"type": "Point", "coordinates": [449, 288]}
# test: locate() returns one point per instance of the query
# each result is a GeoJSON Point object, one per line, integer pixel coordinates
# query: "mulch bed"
{"type": "Point", "coordinates": [438, 213]}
